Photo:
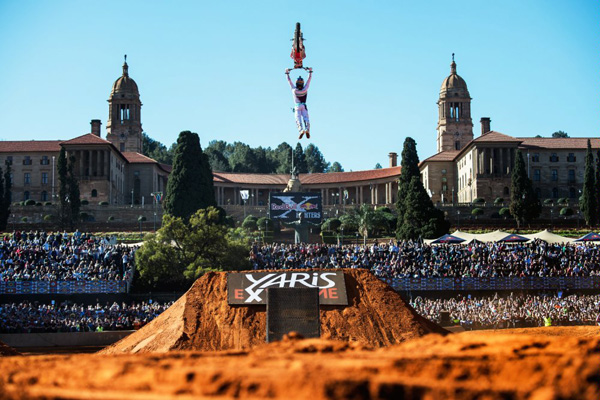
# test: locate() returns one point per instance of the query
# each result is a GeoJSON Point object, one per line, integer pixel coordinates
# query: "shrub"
{"type": "Point", "coordinates": [29, 202]}
{"type": "Point", "coordinates": [566, 211]}
{"type": "Point", "coordinates": [48, 203]}
{"type": "Point", "coordinates": [24, 219]}
{"type": "Point", "coordinates": [331, 224]}
{"type": "Point", "coordinates": [477, 211]}
{"type": "Point", "coordinates": [141, 218]}
{"type": "Point", "coordinates": [499, 200]}
{"type": "Point", "coordinates": [103, 203]}
{"type": "Point", "coordinates": [329, 237]}
{"type": "Point", "coordinates": [83, 216]}
{"type": "Point", "coordinates": [84, 202]}
{"type": "Point", "coordinates": [48, 217]}
{"type": "Point", "coordinates": [250, 223]}
{"type": "Point", "coordinates": [495, 215]}
{"type": "Point", "coordinates": [504, 212]}
{"type": "Point", "coordinates": [264, 224]}
{"type": "Point", "coordinates": [38, 204]}
{"type": "Point", "coordinates": [548, 201]}
{"type": "Point", "coordinates": [111, 218]}
{"type": "Point", "coordinates": [563, 200]}
{"type": "Point", "coordinates": [478, 200]}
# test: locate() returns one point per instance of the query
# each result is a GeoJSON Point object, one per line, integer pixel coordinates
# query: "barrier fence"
{"type": "Point", "coordinates": [62, 287]}
{"type": "Point", "coordinates": [495, 283]}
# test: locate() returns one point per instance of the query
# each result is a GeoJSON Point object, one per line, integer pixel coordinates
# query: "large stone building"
{"type": "Point", "coordinates": [465, 168]}
{"type": "Point", "coordinates": [109, 170]}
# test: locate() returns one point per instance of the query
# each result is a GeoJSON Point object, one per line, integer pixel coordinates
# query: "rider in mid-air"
{"type": "Point", "coordinates": [300, 92]}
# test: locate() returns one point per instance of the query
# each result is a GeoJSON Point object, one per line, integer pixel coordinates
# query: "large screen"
{"type": "Point", "coordinates": [287, 206]}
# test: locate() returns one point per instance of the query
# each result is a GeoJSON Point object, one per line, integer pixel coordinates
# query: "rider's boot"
{"type": "Point", "coordinates": [307, 134]}
{"type": "Point", "coordinates": [301, 134]}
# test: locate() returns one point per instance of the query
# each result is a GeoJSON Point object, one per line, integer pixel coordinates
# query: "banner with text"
{"type": "Point", "coordinates": [62, 287]}
{"type": "Point", "coordinates": [250, 288]}
{"type": "Point", "coordinates": [287, 206]}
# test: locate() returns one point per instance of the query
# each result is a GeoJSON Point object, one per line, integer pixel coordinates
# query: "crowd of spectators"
{"type": "Point", "coordinates": [415, 259]}
{"type": "Point", "coordinates": [56, 256]}
{"type": "Point", "coordinates": [32, 317]}
{"type": "Point", "coordinates": [513, 311]}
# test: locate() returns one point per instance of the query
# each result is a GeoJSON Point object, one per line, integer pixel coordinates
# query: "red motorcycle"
{"type": "Point", "coordinates": [298, 53]}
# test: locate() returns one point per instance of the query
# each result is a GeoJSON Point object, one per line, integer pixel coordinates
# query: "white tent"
{"type": "Point", "coordinates": [549, 237]}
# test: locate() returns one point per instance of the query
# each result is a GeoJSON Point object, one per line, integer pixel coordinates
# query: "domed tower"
{"type": "Point", "coordinates": [455, 127]}
{"type": "Point", "coordinates": [124, 126]}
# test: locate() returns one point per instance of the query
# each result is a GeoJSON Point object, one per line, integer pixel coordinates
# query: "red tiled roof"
{"type": "Point", "coordinates": [30, 146]}
{"type": "Point", "coordinates": [87, 139]}
{"type": "Point", "coordinates": [448, 155]}
{"type": "Point", "coordinates": [307, 179]}
{"type": "Point", "coordinates": [560, 143]}
{"type": "Point", "coordinates": [137, 158]}
{"type": "Point", "coordinates": [494, 136]}
{"type": "Point", "coordinates": [166, 167]}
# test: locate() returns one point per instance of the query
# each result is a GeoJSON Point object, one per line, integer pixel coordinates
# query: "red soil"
{"type": "Point", "coordinates": [203, 320]}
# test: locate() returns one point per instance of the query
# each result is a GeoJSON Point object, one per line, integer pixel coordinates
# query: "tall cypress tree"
{"type": "Point", "coordinates": [587, 203]}
{"type": "Point", "coordinates": [190, 186]}
{"type": "Point", "coordinates": [300, 160]}
{"type": "Point", "coordinates": [6, 197]}
{"type": "Point", "coordinates": [63, 187]}
{"type": "Point", "coordinates": [4, 210]}
{"type": "Point", "coordinates": [524, 203]}
{"type": "Point", "coordinates": [410, 169]}
{"type": "Point", "coordinates": [74, 194]}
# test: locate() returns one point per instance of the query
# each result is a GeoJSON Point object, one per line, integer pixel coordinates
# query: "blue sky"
{"type": "Point", "coordinates": [216, 68]}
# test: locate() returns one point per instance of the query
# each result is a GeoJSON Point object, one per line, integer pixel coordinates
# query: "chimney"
{"type": "Point", "coordinates": [485, 125]}
{"type": "Point", "coordinates": [96, 123]}
{"type": "Point", "coordinates": [393, 159]}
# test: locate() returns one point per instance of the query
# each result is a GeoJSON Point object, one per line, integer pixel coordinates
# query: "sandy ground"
{"type": "Point", "coordinates": [536, 363]}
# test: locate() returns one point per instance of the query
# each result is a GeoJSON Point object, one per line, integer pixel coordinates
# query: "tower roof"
{"type": "Point", "coordinates": [453, 81]}
{"type": "Point", "coordinates": [125, 85]}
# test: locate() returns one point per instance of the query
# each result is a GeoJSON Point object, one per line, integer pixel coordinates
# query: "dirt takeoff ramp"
{"type": "Point", "coordinates": [7, 350]}
{"type": "Point", "coordinates": [203, 320]}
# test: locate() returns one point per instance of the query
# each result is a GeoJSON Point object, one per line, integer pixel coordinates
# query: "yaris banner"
{"type": "Point", "coordinates": [251, 288]}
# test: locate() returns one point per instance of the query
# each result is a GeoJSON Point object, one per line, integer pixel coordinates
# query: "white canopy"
{"type": "Point", "coordinates": [549, 237]}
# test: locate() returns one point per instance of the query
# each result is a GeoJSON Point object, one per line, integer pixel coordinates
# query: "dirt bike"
{"type": "Point", "coordinates": [298, 53]}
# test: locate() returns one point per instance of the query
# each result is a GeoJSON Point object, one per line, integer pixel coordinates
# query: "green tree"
{"type": "Point", "coordinates": [378, 166]}
{"type": "Point", "coordinates": [300, 160]}
{"type": "Point", "coordinates": [420, 219]}
{"type": "Point", "coordinates": [283, 158]}
{"type": "Point", "coordinates": [588, 197]}
{"type": "Point", "coordinates": [336, 167]}
{"type": "Point", "coordinates": [63, 187]}
{"type": "Point", "coordinates": [190, 186]}
{"type": "Point", "coordinates": [524, 203]}
{"type": "Point", "coordinates": [264, 160]}
{"type": "Point", "coordinates": [242, 158]}
{"type": "Point", "coordinates": [156, 150]}
{"type": "Point", "coordinates": [74, 200]}
{"type": "Point", "coordinates": [217, 161]}
{"type": "Point", "coordinates": [314, 159]}
{"type": "Point", "coordinates": [5, 197]}
{"type": "Point", "coordinates": [410, 169]}
{"type": "Point", "coordinates": [180, 252]}
{"type": "Point", "coordinates": [560, 134]}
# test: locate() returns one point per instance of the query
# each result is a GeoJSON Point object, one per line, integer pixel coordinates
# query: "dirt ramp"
{"type": "Point", "coordinates": [203, 320]}
{"type": "Point", "coordinates": [6, 350]}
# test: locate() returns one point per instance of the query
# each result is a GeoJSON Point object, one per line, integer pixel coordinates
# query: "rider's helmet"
{"type": "Point", "coordinates": [299, 83]}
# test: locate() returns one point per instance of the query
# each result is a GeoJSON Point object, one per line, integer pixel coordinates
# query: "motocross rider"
{"type": "Point", "coordinates": [300, 92]}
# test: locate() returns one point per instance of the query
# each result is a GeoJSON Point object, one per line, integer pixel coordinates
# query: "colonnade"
{"type": "Point", "coordinates": [495, 161]}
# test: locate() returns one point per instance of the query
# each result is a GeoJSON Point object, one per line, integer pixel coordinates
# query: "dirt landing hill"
{"type": "Point", "coordinates": [483, 366]}
{"type": "Point", "coordinates": [7, 350]}
{"type": "Point", "coordinates": [203, 320]}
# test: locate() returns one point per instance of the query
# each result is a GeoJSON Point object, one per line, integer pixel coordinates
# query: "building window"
{"type": "Point", "coordinates": [538, 192]}
{"type": "Point", "coordinates": [27, 160]}
{"type": "Point", "coordinates": [555, 175]}
{"type": "Point", "coordinates": [44, 196]}
{"type": "Point", "coordinates": [554, 157]}
{"type": "Point", "coordinates": [45, 160]}
{"type": "Point", "coordinates": [555, 193]}
{"type": "Point", "coordinates": [26, 195]}
{"type": "Point", "coordinates": [535, 157]}
{"type": "Point", "coordinates": [9, 160]}
{"type": "Point", "coordinates": [27, 178]}
{"type": "Point", "coordinates": [122, 146]}
{"type": "Point", "coordinates": [537, 174]}
{"type": "Point", "coordinates": [506, 191]}
{"type": "Point", "coordinates": [571, 157]}
{"type": "Point", "coordinates": [571, 176]}
{"type": "Point", "coordinates": [94, 193]}
{"type": "Point", "coordinates": [44, 178]}
{"type": "Point", "coordinates": [124, 112]}
{"type": "Point", "coordinates": [457, 145]}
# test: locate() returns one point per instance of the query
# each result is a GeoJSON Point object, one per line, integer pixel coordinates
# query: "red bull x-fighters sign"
{"type": "Point", "coordinates": [249, 288]}
{"type": "Point", "coordinates": [287, 206]}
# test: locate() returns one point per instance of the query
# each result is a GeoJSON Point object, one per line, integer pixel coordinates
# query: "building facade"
{"type": "Point", "coordinates": [466, 168]}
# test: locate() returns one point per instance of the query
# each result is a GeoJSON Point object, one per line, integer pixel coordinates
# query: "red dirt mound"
{"type": "Point", "coordinates": [7, 350]}
{"type": "Point", "coordinates": [203, 320]}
